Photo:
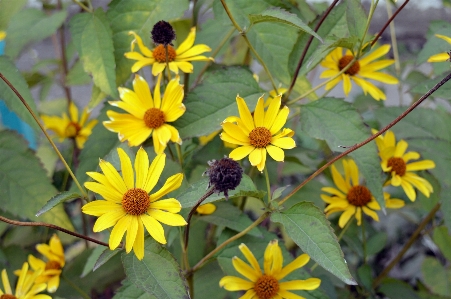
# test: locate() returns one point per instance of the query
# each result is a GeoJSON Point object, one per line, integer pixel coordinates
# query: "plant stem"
{"type": "Point", "coordinates": [75, 287]}
{"type": "Point", "coordinates": [178, 148]}
{"type": "Point", "coordinates": [268, 186]}
{"type": "Point", "coordinates": [364, 241]}
{"type": "Point", "coordinates": [85, 8]}
{"type": "Point", "coordinates": [376, 38]}
{"type": "Point", "coordinates": [83, 192]}
{"type": "Point", "coordinates": [167, 62]}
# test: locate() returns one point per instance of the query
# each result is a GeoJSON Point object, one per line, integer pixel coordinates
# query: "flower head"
{"type": "Point", "coordinates": [206, 209]}
{"type": "Point", "coordinates": [364, 68]}
{"type": "Point", "coordinates": [178, 58]}
{"type": "Point", "coordinates": [396, 161]}
{"type": "Point", "coordinates": [127, 204]}
{"type": "Point", "coordinates": [441, 56]}
{"type": "Point", "coordinates": [72, 126]}
{"type": "Point", "coordinates": [26, 288]}
{"type": "Point", "coordinates": [259, 134]}
{"type": "Point", "coordinates": [146, 115]}
{"type": "Point", "coordinates": [163, 33]}
{"type": "Point", "coordinates": [225, 175]}
{"type": "Point", "coordinates": [351, 198]}
{"type": "Point", "coordinates": [267, 284]}
{"type": "Point", "coordinates": [51, 270]}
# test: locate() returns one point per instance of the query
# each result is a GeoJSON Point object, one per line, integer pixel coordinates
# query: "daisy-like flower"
{"type": "Point", "coordinates": [178, 58]}
{"type": "Point", "coordinates": [395, 160]}
{"type": "Point", "coordinates": [146, 115]}
{"type": "Point", "coordinates": [273, 94]}
{"type": "Point", "coordinates": [260, 133]}
{"type": "Point", "coordinates": [266, 284]}
{"type": "Point", "coordinates": [72, 126]}
{"type": "Point", "coordinates": [362, 69]}
{"type": "Point", "coordinates": [128, 206]}
{"type": "Point", "coordinates": [446, 56]}
{"type": "Point", "coordinates": [351, 198]}
{"type": "Point", "coordinates": [26, 288]}
{"type": "Point", "coordinates": [51, 270]}
{"type": "Point", "coordinates": [206, 209]}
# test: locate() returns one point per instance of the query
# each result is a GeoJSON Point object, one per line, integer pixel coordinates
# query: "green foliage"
{"type": "Point", "coordinates": [356, 18]}
{"type": "Point", "coordinates": [56, 200]}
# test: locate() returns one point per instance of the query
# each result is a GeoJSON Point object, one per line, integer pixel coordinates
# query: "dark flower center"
{"type": "Point", "coordinates": [52, 265]}
{"type": "Point", "coordinates": [266, 287]}
{"type": "Point", "coordinates": [225, 175]}
{"type": "Point", "coordinates": [154, 118]}
{"type": "Point", "coordinates": [162, 33]}
{"type": "Point", "coordinates": [72, 129]}
{"type": "Point", "coordinates": [397, 165]}
{"type": "Point", "coordinates": [344, 61]}
{"type": "Point", "coordinates": [135, 201]}
{"type": "Point", "coordinates": [7, 296]}
{"type": "Point", "coordinates": [159, 53]}
{"type": "Point", "coordinates": [260, 137]}
{"type": "Point", "coordinates": [359, 196]}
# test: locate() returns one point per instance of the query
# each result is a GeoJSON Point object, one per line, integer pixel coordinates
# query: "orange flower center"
{"type": "Point", "coordinates": [135, 201]}
{"type": "Point", "coordinates": [359, 196]}
{"type": "Point", "coordinates": [159, 53]}
{"type": "Point", "coordinates": [266, 287]}
{"type": "Point", "coordinates": [260, 137]}
{"type": "Point", "coordinates": [7, 296]}
{"type": "Point", "coordinates": [154, 118]}
{"type": "Point", "coordinates": [397, 165]}
{"type": "Point", "coordinates": [72, 129]}
{"type": "Point", "coordinates": [344, 61]}
{"type": "Point", "coordinates": [52, 265]}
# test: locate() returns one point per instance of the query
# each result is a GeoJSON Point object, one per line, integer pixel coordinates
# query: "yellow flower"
{"type": "Point", "coordinates": [128, 206]}
{"type": "Point", "coordinates": [71, 127]}
{"type": "Point", "coordinates": [178, 58]}
{"type": "Point", "coordinates": [51, 270]}
{"type": "Point", "coordinates": [351, 198]}
{"type": "Point", "coordinates": [146, 115]}
{"type": "Point", "coordinates": [206, 209]}
{"type": "Point", "coordinates": [441, 56]}
{"type": "Point", "coordinates": [395, 160]}
{"type": "Point", "coordinates": [266, 284]}
{"type": "Point", "coordinates": [273, 95]}
{"type": "Point", "coordinates": [260, 133]}
{"type": "Point", "coordinates": [362, 68]}
{"type": "Point", "coordinates": [26, 287]}
{"type": "Point", "coordinates": [2, 35]}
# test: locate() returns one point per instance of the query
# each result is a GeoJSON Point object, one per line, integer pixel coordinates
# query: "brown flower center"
{"type": "Point", "coordinates": [159, 53]}
{"type": "Point", "coordinates": [52, 265]}
{"type": "Point", "coordinates": [359, 196]}
{"type": "Point", "coordinates": [397, 165]}
{"type": "Point", "coordinates": [260, 137]}
{"type": "Point", "coordinates": [72, 129]}
{"type": "Point", "coordinates": [154, 118]}
{"type": "Point", "coordinates": [7, 296]}
{"type": "Point", "coordinates": [344, 61]}
{"type": "Point", "coordinates": [135, 201]}
{"type": "Point", "coordinates": [266, 287]}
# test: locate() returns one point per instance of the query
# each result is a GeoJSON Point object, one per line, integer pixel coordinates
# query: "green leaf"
{"type": "Point", "coordinates": [24, 185]}
{"type": "Point", "coordinates": [356, 18]}
{"type": "Point", "coordinates": [129, 291]}
{"type": "Point", "coordinates": [97, 97]}
{"type": "Point", "coordinates": [435, 45]}
{"type": "Point", "coordinates": [339, 124]}
{"type": "Point", "coordinates": [278, 192]}
{"type": "Point", "coordinates": [395, 289]}
{"type": "Point", "coordinates": [138, 16]}
{"type": "Point", "coordinates": [426, 85]}
{"type": "Point", "coordinates": [277, 15]}
{"type": "Point", "coordinates": [230, 216]}
{"type": "Point", "coordinates": [106, 255]}
{"type": "Point", "coordinates": [157, 273]}
{"type": "Point", "coordinates": [29, 26]}
{"type": "Point", "coordinates": [12, 74]}
{"type": "Point", "coordinates": [364, 274]}
{"type": "Point", "coordinates": [77, 75]}
{"type": "Point", "coordinates": [8, 8]}
{"type": "Point", "coordinates": [376, 243]}
{"type": "Point", "coordinates": [214, 99]}
{"type": "Point", "coordinates": [90, 262]}
{"type": "Point", "coordinates": [93, 38]}
{"type": "Point", "coordinates": [436, 277]}
{"type": "Point", "coordinates": [443, 240]}
{"type": "Point", "coordinates": [310, 230]}
{"type": "Point", "coordinates": [194, 192]}
{"type": "Point", "coordinates": [56, 200]}
{"type": "Point", "coordinates": [206, 282]}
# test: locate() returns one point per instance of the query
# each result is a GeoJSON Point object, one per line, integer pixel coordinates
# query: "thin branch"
{"type": "Point", "coordinates": [389, 21]}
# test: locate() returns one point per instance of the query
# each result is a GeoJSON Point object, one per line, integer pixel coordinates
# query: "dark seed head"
{"type": "Point", "coordinates": [224, 175]}
{"type": "Point", "coordinates": [163, 33]}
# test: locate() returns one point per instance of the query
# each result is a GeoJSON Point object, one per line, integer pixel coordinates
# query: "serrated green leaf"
{"type": "Point", "coordinates": [436, 277]}
{"type": "Point", "coordinates": [277, 15]}
{"type": "Point", "coordinates": [339, 124]}
{"type": "Point", "coordinates": [356, 18]}
{"type": "Point", "coordinates": [138, 16]}
{"type": "Point", "coordinates": [24, 185]}
{"type": "Point", "coordinates": [215, 99]}
{"type": "Point", "coordinates": [310, 230]}
{"type": "Point", "coordinates": [28, 26]}
{"type": "Point", "coordinates": [129, 291]}
{"type": "Point", "coordinates": [344, 42]}
{"type": "Point", "coordinates": [106, 255]}
{"type": "Point", "coordinates": [8, 8]}
{"type": "Point", "coordinates": [56, 200]}
{"type": "Point", "coordinates": [93, 257]}
{"type": "Point", "coordinates": [77, 75]}
{"type": "Point", "coordinates": [157, 273]}
{"type": "Point", "coordinates": [193, 193]}
{"type": "Point", "coordinates": [12, 74]}
{"type": "Point", "coordinates": [93, 38]}
{"type": "Point", "coordinates": [442, 238]}
{"type": "Point", "coordinates": [230, 216]}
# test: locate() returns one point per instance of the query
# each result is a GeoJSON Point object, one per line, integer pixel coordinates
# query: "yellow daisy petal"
{"type": "Point", "coordinates": [154, 228]}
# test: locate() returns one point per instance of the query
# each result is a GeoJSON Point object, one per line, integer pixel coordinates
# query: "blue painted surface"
{"type": "Point", "coordinates": [9, 119]}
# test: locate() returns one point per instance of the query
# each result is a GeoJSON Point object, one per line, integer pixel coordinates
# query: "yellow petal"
{"type": "Point", "coordinates": [284, 142]}
{"type": "Point", "coordinates": [171, 184]}
{"type": "Point", "coordinates": [308, 284]}
{"type": "Point", "coordinates": [346, 215]}
{"type": "Point", "coordinates": [370, 213]}
{"type": "Point", "coordinates": [188, 42]}
{"type": "Point", "coordinates": [276, 153]}
{"type": "Point", "coordinates": [167, 218]}
{"type": "Point", "coordinates": [259, 113]}
{"type": "Point", "coordinates": [420, 165]}
{"type": "Point", "coordinates": [118, 232]}
{"type": "Point", "coordinates": [408, 189]}
{"type": "Point", "coordinates": [141, 168]}
{"type": "Point", "coordinates": [154, 173]}
{"type": "Point", "coordinates": [241, 152]}
{"type": "Point", "coordinates": [236, 133]}
{"type": "Point", "coordinates": [280, 120]}
{"type": "Point", "coordinates": [206, 209]}
{"type": "Point", "coordinates": [232, 283]}
{"type": "Point", "coordinates": [441, 57]}
{"type": "Point", "coordinates": [110, 194]}
{"type": "Point", "coordinates": [245, 114]}
{"type": "Point", "coordinates": [127, 169]}
{"type": "Point", "coordinates": [249, 257]}
{"type": "Point", "coordinates": [297, 263]}
{"type": "Point", "coordinates": [338, 180]}
{"type": "Point", "coordinates": [154, 228]}
{"type": "Point", "coordinates": [132, 230]}
{"type": "Point", "coordinates": [138, 245]}
{"type": "Point", "coordinates": [245, 270]}
{"type": "Point", "coordinates": [108, 220]}
{"type": "Point", "coordinates": [113, 176]}
{"type": "Point", "coordinates": [100, 207]}
{"type": "Point", "coordinates": [171, 205]}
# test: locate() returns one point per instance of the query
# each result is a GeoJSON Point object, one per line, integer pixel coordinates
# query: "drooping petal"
{"type": "Point", "coordinates": [347, 214]}
{"type": "Point", "coordinates": [171, 184]}
{"type": "Point", "coordinates": [370, 213]}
